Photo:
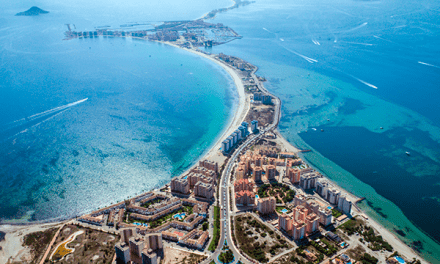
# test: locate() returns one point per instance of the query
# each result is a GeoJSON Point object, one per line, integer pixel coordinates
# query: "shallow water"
{"type": "Point", "coordinates": [351, 67]}
{"type": "Point", "coordinates": [88, 122]}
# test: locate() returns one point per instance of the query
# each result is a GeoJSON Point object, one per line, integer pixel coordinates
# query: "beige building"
{"type": "Point", "coordinates": [180, 185]}
{"type": "Point", "coordinates": [294, 175]}
{"type": "Point", "coordinates": [240, 173]}
{"type": "Point", "coordinates": [299, 223]}
{"type": "Point", "coordinates": [299, 230]}
{"type": "Point", "coordinates": [154, 241]}
{"type": "Point", "coordinates": [149, 256]}
{"type": "Point", "coordinates": [210, 165]}
{"type": "Point", "coordinates": [285, 222]}
{"type": "Point", "coordinates": [266, 205]}
{"type": "Point", "coordinates": [243, 185]}
{"type": "Point", "coordinates": [312, 223]}
{"type": "Point", "coordinates": [244, 198]}
{"type": "Point", "coordinates": [258, 172]}
{"type": "Point", "coordinates": [271, 172]}
{"type": "Point", "coordinates": [194, 178]}
{"type": "Point", "coordinates": [136, 247]}
{"type": "Point", "coordinates": [204, 190]}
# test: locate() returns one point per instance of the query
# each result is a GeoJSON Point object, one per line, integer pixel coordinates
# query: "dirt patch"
{"type": "Point", "coordinates": [173, 256]}
{"type": "Point", "coordinates": [256, 239]}
{"type": "Point", "coordinates": [92, 246]}
{"type": "Point", "coordinates": [38, 241]}
{"type": "Point", "coordinates": [264, 114]}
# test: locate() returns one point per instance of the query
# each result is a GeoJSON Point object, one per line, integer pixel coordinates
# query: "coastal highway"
{"type": "Point", "coordinates": [225, 207]}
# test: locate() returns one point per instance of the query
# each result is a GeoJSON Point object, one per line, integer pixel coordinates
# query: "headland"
{"type": "Point", "coordinates": [33, 11]}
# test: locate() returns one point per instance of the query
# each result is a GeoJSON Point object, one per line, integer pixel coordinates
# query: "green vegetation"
{"type": "Point", "coordinates": [350, 227]}
{"type": "Point", "coordinates": [277, 190]}
{"type": "Point", "coordinates": [158, 222]}
{"type": "Point", "coordinates": [329, 250]}
{"type": "Point", "coordinates": [216, 234]}
{"type": "Point", "coordinates": [336, 213]}
{"type": "Point", "coordinates": [368, 259]}
{"type": "Point", "coordinates": [154, 201]}
{"type": "Point", "coordinates": [249, 231]}
{"type": "Point", "coordinates": [280, 208]}
{"type": "Point", "coordinates": [376, 242]}
{"type": "Point", "coordinates": [226, 257]}
{"type": "Point", "coordinates": [38, 241]}
{"type": "Point", "coordinates": [205, 226]}
{"type": "Point", "coordinates": [289, 196]}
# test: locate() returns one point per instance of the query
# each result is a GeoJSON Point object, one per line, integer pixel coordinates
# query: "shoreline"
{"type": "Point", "coordinates": [238, 117]}
{"type": "Point", "coordinates": [398, 244]}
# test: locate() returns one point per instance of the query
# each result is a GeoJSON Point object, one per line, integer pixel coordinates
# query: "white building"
{"type": "Point", "coordinates": [344, 204]}
{"type": "Point", "coordinates": [333, 195]}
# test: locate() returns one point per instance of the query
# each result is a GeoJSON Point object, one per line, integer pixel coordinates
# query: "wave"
{"type": "Point", "coordinates": [427, 64]}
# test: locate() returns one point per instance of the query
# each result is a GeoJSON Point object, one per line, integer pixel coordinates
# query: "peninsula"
{"type": "Point", "coordinates": [250, 199]}
{"type": "Point", "coordinates": [33, 11]}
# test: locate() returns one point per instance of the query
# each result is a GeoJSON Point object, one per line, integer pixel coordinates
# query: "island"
{"type": "Point", "coordinates": [33, 11]}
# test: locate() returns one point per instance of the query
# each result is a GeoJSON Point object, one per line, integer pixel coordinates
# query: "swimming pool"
{"type": "Point", "coordinates": [180, 216]}
{"type": "Point", "coordinates": [400, 259]}
{"type": "Point", "coordinates": [284, 210]}
{"type": "Point", "coordinates": [329, 207]}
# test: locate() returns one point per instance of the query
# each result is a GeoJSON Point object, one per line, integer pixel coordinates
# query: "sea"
{"type": "Point", "coordinates": [358, 81]}
{"type": "Point", "coordinates": [85, 123]}
{"type": "Point", "coordinates": [359, 84]}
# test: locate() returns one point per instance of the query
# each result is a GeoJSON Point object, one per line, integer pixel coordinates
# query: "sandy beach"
{"type": "Point", "coordinates": [12, 247]}
{"type": "Point", "coordinates": [242, 109]}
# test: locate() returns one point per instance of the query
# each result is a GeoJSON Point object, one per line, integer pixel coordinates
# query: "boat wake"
{"type": "Point", "coordinates": [22, 125]}
{"type": "Point", "coordinates": [268, 30]}
{"type": "Point", "coordinates": [355, 28]}
{"type": "Point", "coordinates": [427, 64]}
{"type": "Point", "coordinates": [315, 42]}
{"type": "Point", "coordinates": [364, 82]}
{"type": "Point", "coordinates": [300, 55]}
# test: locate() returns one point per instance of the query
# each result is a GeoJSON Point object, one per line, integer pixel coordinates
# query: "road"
{"type": "Point", "coordinates": [225, 207]}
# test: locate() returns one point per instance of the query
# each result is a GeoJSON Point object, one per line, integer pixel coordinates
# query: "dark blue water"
{"type": "Point", "coordinates": [352, 67]}
{"type": "Point", "coordinates": [151, 110]}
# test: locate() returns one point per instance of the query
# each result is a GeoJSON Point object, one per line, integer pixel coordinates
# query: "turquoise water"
{"type": "Point", "coordinates": [151, 110]}
{"type": "Point", "coordinates": [350, 68]}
